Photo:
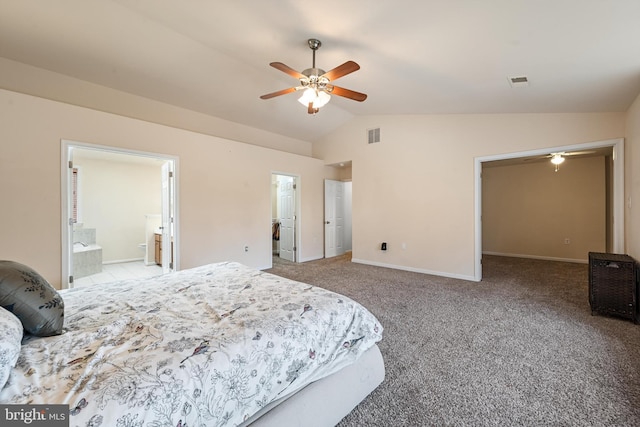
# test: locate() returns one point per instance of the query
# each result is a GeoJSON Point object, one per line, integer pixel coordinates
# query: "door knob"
{"type": "Point", "coordinates": [327, 222]}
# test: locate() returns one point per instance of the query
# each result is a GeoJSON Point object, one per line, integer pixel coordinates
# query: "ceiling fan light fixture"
{"type": "Point", "coordinates": [317, 97]}
{"type": "Point", "coordinates": [557, 159]}
{"type": "Point", "coordinates": [316, 84]}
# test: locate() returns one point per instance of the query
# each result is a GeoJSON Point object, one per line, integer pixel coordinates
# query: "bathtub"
{"type": "Point", "coordinates": [87, 259]}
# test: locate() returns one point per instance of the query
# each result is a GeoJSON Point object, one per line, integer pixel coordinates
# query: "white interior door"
{"type": "Point", "coordinates": [287, 216]}
{"type": "Point", "coordinates": [167, 218]}
{"type": "Point", "coordinates": [71, 202]}
{"type": "Point", "coordinates": [333, 218]}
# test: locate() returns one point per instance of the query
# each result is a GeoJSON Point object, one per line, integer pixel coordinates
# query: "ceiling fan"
{"type": "Point", "coordinates": [316, 83]}
{"type": "Point", "coordinates": [558, 158]}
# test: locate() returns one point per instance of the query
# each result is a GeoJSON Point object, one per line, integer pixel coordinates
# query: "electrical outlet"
{"type": "Point", "coordinates": [246, 248]}
{"type": "Point", "coordinates": [567, 240]}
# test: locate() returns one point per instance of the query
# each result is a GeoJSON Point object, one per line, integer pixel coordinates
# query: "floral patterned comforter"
{"type": "Point", "coordinates": [201, 347]}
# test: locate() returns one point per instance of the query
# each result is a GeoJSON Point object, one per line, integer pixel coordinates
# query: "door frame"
{"type": "Point", "coordinates": [617, 204]}
{"type": "Point", "coordinates": [67, 147]}
{"type": "Point", "coordinates": [298, 213]}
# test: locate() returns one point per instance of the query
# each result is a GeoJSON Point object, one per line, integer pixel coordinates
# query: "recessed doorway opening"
{"type": "Point", "coordinates": [615, 191]}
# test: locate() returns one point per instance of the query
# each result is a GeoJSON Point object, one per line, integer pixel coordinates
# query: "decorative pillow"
{"type": "Point", "coordinates": [10, 338]}
{"type": "Point", "coordinates": [31, 299]}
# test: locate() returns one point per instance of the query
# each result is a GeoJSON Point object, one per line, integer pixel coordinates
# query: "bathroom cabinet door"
{"type": "Point", "coordinates": [158, 242]}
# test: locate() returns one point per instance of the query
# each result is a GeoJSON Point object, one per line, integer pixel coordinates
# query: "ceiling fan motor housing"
{"type": "Point", "coordinates": [315, 78]}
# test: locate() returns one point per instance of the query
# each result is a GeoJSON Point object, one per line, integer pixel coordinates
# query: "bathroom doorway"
{"type": "Point", "coordinates": [119, 213]}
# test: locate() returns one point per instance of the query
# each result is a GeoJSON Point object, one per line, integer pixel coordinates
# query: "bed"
{"type": "Point", "coordinates": [217, 345]}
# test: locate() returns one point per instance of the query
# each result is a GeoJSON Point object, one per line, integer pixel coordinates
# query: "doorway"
{"type": "Point", "coordinates": [284, 217]}
{"type": "Point", "coordinates": [338, 191]}
{"type": "Point", "coordinates": [337, 217]}
{"type": "Point", "coordinates": [615, 191]}
{"type": "Point", "coordinates": [119, 214]}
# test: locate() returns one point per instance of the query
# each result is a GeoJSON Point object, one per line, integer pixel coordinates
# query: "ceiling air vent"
{"type": "Point", "coordinates": [373, 135]}
{"type": "Point", "coordinates": [519, 81]}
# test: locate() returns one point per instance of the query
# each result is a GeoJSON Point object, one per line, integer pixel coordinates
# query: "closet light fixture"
{"type": "Point", "coordinates": [557, 159]}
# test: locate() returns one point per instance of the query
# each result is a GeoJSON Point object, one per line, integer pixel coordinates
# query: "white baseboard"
{"type": "Point", "coordinates": [309, 259]}
{"type": "Point", "coordinates": [545, 258]}
{"type": "Point", "coordinates": [414, 270]}
{"type": "Point", "coordinates": [119, 261]}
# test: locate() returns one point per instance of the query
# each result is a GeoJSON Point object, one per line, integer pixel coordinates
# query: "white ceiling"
{"type": "Point", "coordinates": [416, 57]}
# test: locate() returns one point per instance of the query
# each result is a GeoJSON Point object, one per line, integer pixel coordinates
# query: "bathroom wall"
{"type": "Point", "coordinates": [115, 195]}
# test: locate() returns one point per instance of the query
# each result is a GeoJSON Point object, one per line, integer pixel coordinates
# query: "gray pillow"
{"type": "Point", "coordinates": [10, 339]}
{"type": "Point", "coordinates": [31, 299]}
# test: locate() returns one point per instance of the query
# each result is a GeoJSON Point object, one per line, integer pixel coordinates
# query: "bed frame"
{"type": "Point", "coordinates": [325, 402]}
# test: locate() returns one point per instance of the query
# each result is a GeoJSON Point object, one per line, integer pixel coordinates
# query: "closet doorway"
{"type": "Point", "coordinates": [284, 217]}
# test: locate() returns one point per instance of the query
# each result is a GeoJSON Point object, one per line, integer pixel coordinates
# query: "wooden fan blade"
{"type": "Point", "coordinates": [351, 94]}
{"type": "Point", "coordinates": [341, 70]}
{"type": "Point", "coordinates": [286, 69]}
{"type": "Point", "coordinates": [278, 93]}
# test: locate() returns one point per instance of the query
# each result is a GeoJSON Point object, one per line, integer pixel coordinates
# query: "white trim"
{"type": "Point", "coordinates": [311, 259]}
{"type": "Point", "coordinates": [122, 261]}
{"type": "Point", "coordinates": [79, 179]}
{"type": "Point", "coordinates": [66, 148]}
{"type": "Point", "coordinates": [544, 258]}
{"type": "Point", "coordinates": [618, 197]}
{"type": "Point", "coordinates": [618, 190]}
{"type": "Point", "coordinates": [412, 269]}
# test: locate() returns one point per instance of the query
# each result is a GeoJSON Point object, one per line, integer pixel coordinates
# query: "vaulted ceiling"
{"type": "Point", "coordinates": [416, 57]}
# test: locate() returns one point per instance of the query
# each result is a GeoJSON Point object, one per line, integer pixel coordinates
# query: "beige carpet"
{"type": "Point", "coordinates": [519, 348]}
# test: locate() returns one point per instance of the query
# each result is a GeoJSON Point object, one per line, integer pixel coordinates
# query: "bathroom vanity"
{"type": "Point", "coordinates": [158, 251]}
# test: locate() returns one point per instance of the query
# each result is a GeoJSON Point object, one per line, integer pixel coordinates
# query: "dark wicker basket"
{"type": "Point", "coordinates": [613, 285]}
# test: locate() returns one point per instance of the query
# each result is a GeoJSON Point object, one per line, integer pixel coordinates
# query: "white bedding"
{"type": "Point", "coordinates": [206, 346]}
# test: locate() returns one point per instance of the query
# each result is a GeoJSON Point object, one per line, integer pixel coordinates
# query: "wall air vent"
{"type": "Point", "coordinates": [519, 81]}
{"type": "Point", "coordinates": [373, 135]}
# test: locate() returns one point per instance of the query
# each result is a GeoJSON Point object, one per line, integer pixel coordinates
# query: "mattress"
{"type": "Point", "coordinates": [213, 345]}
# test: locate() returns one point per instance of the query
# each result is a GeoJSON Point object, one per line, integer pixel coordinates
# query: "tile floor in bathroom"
{"type": "Point", "coordinates": [120, 271]}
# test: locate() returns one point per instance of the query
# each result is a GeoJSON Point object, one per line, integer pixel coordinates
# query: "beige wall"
{"type": "Point", "coordinates": [415, 189]}
{"type": "Point", "coordinates": [529, 209]}
{"type": "Point", "coordinates": [632, 180]}
{"type": "Point", "coordinates": [115, 196]}
{"type": "Point", "coordinates": [224, 187]}
{"type": "Point", "coordinates": [19, 77]}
